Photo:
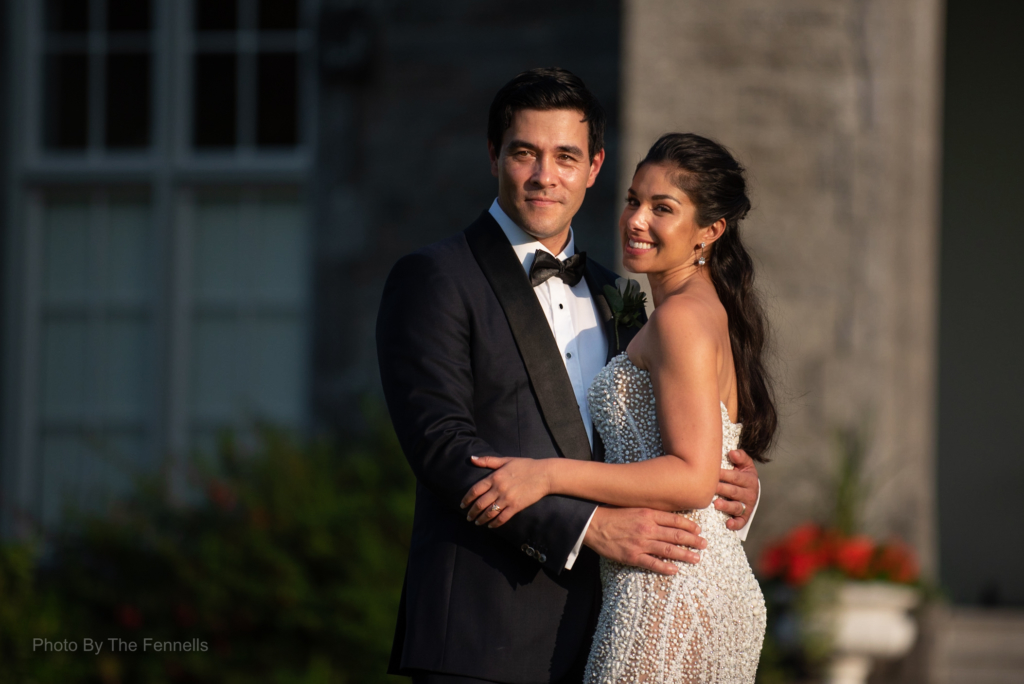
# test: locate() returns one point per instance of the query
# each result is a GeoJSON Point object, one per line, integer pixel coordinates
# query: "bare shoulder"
{"type": "Point", "coordinates": [686, 316]}
{"type": "Point", "coordinates": [683, 326]}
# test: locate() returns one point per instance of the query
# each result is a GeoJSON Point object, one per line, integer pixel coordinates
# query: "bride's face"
{"type": "Point", "coordinates": [658, 225]}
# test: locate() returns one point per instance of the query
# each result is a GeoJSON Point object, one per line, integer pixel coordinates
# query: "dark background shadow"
{"type": "Point", "coordinates": [981, 365]}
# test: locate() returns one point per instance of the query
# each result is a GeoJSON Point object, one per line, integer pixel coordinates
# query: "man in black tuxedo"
{"type": "Point", "coordinates": [487, 342]}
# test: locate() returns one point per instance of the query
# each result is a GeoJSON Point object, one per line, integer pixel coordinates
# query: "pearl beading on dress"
{"type": "Point", "coordinates": [703, 625]}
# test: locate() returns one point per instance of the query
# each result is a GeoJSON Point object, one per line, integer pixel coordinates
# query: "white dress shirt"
{"type": "Point", "coordinates": [576, 326]}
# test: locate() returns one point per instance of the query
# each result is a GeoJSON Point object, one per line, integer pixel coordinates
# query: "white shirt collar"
{"type": "Point", "coordinates": [523, 243]}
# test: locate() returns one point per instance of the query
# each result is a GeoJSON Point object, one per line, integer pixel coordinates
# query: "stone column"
{"type": "Point", "coordinates": [834, 109]}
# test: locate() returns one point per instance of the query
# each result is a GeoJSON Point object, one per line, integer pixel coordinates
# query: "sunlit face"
{"type": "Point", "coordinates": [544, 170]}
{"type": "Point", "coordinates": [658, 226]}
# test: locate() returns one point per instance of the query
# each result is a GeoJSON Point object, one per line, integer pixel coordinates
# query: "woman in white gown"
{"type": "Point", "coordinates": [669, 410]}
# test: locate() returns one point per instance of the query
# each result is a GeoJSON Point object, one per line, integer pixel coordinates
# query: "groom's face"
{"type": "Point", "coordinates": [544, 170]}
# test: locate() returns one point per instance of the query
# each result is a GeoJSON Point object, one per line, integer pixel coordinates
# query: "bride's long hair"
{"type": "Point", "coordinates": [714, 181]}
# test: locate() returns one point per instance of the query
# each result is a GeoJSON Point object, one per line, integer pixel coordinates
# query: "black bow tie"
{"type": "Point", "coordinates": [546, 266]}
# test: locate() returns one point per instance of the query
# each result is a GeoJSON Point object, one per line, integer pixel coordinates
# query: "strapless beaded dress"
{"type": "Point", "coordinates": [703, 625]}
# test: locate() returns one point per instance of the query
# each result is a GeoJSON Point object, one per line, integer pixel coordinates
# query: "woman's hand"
{"type": "Point", "coordinates": [515, 484]}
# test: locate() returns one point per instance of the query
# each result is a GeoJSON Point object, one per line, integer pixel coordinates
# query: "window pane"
{"type": "Point", "coordinates": [66, 251]}
{"type": "Point", "coordinates": [67, 16]}
{"type": "Point", "coordinates": [247, 367]}
{"type": "Point", "coordinates": [217, 394]}
{"type": "Point", "coordinates": [61, 472]}
{"type": "Point", "coordinates": [128, 15]}
{"type": "Point", "coordinates": [96, 361]}
{"type": "Point", "coordinates": [279, 253]}
{"type": "Point", "coordinates": [65, 367]}
{"type": "Point", "coordinates": [215, 100]}
{"type": "Point", "coordinates": [122, 362]}
{"type": "Point", "coordinates": [66, 101]}
{"type": "Point", "coordinates": [277, 359]}
{"type": "Point", "coordinates": [97, 308]}
{"type": "Point", "coordinates": [72, 269]}
{"type": "Point", "coordinates": [277, 99]}
{"type": "Point", "coordinates": [216, 15]}
{"type": "Point", "coordinates": [248, 333]}
{"type": "Point", "coordinates": [128, 265]}
{"type": "Point", "coordinates": [279, 15]}
{"type": "Point", "coordinates": [128, 97]}
{"type": "Point", "coordinates": [216, 272]}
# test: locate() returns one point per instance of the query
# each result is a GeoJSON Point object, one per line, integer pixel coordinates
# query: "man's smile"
{"type": "Point", "coordinates": [542, 201]}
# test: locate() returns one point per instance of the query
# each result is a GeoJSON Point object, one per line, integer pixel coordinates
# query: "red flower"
{"type": "Point", "coordinates": [803, 537]}
{"type": "Point", "coordinates": [796, 558]}
{"type": "Point", "coordinates": [773, 561]}
{"type": "Point", "coordinates": [802, 568]}
{"type": "Point", "coordinates": [808, 549]}
{"type": "Point", "coordinates": [853, 556]}
{"type": "Point", "coordinates": [896, 561]}
{"type": "Point", "coordinates": [129, 616]}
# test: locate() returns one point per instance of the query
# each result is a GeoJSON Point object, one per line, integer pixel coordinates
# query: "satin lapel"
{"type": "Point", "coordinates": [596, 285]}
{"type": "Point", "coordinates": [532, 334]}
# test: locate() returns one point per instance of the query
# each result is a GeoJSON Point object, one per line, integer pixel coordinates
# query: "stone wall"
{"type": "Point", "coordinates": [834, 109]}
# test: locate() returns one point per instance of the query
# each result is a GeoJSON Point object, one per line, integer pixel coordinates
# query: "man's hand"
{"type": "Point", "coordinates": [643, 537]}
{"type": "Point", "coordinates": [738, 489]}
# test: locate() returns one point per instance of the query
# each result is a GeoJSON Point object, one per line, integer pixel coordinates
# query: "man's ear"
{"type": "Point", "coordinates": [595, 167]}
{"type": "Point", "coordinates": [493, 153]}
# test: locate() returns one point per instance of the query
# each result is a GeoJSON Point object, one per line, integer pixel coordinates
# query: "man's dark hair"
{"type": "Point", "coordinates": [546, 88]}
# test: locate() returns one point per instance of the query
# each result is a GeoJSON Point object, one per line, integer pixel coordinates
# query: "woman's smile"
{"type": "Point", "coordinates": [637, 247]}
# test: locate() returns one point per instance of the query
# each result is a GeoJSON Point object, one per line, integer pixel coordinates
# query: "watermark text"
{"type": "Point", "coordinates": [118, 645]}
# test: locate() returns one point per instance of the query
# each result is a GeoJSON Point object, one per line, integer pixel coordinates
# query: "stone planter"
{"type": "Point", "coordinates": [868, 620]}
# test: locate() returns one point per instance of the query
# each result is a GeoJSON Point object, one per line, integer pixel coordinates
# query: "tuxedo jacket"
{"type": "Point", "coordinates": [469, 366]}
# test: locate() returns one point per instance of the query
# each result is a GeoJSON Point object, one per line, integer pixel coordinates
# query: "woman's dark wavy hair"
{"type": "Point", "coordinates": [714, 181]}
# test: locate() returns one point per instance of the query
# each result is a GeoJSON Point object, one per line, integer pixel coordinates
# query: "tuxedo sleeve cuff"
{"type": "Point", "coordinates": [579, 542]}
{"type": "Point", "coordinates": [742, 532]}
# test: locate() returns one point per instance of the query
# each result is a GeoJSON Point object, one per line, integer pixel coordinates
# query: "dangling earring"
{"type": "Point", "coordinates": [701, 261]}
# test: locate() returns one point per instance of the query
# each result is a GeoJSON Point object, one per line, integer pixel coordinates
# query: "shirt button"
{"type": "Point", "coordinates": [560, 306]}
{"type": "Point", "coordinates": [568, 355]}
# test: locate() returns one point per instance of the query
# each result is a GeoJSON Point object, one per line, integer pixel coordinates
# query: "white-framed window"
{"type": "Point", "coordinates": [157, 257]}
{"type": "Point", "coordinates": [245, 309]}
{"type": "Point", "coordinates": [93, 333]}
{"type": "Point", "coordinates": [245, 61]}
{"type": "Point", "coordinates": [97, 72]}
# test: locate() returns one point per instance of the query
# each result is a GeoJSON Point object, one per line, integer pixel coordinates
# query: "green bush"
{"type": "Point", "coordinates": [286, 568]}
{"type": "Point", "coordinates": [29, 620]}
